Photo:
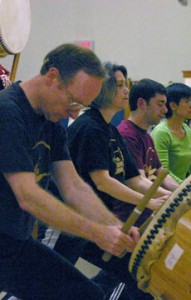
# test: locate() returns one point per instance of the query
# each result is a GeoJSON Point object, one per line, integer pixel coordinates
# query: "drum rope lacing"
{"type": "Point", "coordinates": [153, 232]}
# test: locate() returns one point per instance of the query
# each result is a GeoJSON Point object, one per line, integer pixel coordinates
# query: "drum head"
{"type": "Point", "coordinates": [15, 24]}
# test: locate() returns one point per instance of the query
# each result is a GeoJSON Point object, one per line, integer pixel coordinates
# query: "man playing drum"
{"type": "Point", "coordinates": [33, 148]}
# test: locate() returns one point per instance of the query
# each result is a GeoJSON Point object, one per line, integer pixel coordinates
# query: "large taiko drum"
{"type": "Point", "coordinates": [15, 24]}
{"type": "Point", "coordinates": [161, 261]}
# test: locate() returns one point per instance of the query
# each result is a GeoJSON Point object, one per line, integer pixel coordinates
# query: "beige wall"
{"type": "Point", "coordinates": [151, 37]}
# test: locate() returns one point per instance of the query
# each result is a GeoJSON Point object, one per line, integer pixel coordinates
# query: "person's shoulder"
{"type": "Point", "coordinates": [9, 95]}
{"type": "Point", "coordinates": [7, 106]}
{"type": "Point", "coordinates": [125, 128]}
{"type": "Point", "coordinates": [161, 127]}
{"type": "Point", "coordinates": [87, 117]}
{"type": "Point", "coordinates": [115, 129]}
{"type": "Point", "coordinates": [123, 125]}
{"type": "Point", "coordinates": [187, 128]}
{"type": "Point", "coordinates": [162, 133]}
{"type": "Point", "coordinates": [84, 123]}
{"type": "Point", "coordinates": [131, 131]}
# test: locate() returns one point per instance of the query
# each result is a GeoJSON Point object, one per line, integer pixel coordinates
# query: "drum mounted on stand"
{"type": "Point", "coordinates": [15, 25]}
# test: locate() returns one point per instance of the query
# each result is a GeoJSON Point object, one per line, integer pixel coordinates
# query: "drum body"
{"type": "Point", "coordinates": [15, 24]}
{"type": "Point", "coordinates": [161, 261]}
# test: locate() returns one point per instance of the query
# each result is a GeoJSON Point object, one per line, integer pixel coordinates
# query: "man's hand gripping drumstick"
{"type": "Point", "coordinates": [140, 208]}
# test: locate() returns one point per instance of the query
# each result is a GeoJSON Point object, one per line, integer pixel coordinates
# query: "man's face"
{"type": "Point", "coordinates": [155, 109]}
{"type": "Point", "coordinates": [61, 101]}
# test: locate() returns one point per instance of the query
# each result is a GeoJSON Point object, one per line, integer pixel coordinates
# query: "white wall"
{"type": "Point", "coordinates": [151, 37]}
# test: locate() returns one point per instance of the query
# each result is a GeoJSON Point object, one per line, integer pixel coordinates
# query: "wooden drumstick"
{"type": "Point", "coordinates": [14, 67]}
{"type": "Point", "coordinates": [140, 207]}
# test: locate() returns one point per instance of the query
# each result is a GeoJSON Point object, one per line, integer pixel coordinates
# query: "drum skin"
{"type": "Point", "coordinates": [161, 261]}
{"type": "Point", "coordinates": [15, 24]}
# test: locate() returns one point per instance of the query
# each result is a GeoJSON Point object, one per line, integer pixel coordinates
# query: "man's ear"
{"type": "Point", "coordinates": [141, 103]}
{"type": "Point", "coordinates": [52, 76]}
{"type": "Point", "coordinates": [173, 106]}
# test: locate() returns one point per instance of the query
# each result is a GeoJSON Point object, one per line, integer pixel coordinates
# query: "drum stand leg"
{"type": "Point", "coordinates": [14, 67]}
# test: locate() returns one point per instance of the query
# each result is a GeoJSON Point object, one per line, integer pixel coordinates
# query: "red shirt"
{"type": "Point", "coordinates": [140, 144]}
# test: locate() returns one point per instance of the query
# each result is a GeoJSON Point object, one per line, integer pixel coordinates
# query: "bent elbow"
{"type": "Point", "coordinates": [101, 187]}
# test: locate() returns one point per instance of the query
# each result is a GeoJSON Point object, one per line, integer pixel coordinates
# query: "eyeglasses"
{"type": "Point", "coordinates": [72, 102]}
{"type": "Point", "coordinates": [71, 99]}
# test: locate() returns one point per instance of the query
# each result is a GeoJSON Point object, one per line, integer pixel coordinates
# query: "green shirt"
{"type": "Point", "coordinates": [174, 153]}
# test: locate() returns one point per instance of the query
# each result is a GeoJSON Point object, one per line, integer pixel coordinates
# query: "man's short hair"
{"type": "Point", "coordinates": [71, 58]}
{"type": "Point", "coordinates": [146, 89]}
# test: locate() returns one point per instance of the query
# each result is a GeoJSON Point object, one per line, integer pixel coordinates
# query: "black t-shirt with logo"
{"type": "Point", "coordinates": [28, 143]}
{"type": "Point", "coordinates": [96, 145]}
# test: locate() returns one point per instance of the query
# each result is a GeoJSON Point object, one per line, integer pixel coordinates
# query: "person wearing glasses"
{"type": "Point", "coordinates": [33, 148]}
{"type": "Point", "coordinates": [172, 137]}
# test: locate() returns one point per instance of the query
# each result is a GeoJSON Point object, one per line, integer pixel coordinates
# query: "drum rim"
{"type": "Point", "coordinates": [157, 224]}
{"type": "Point", "coordinates": [5, 47]}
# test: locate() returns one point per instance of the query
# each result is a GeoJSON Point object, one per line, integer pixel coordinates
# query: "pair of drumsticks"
{"type": "Point", "coordinates": [139, 209]}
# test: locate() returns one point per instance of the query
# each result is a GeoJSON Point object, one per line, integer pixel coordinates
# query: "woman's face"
{"type": "Point", "coordinates": [183, 109]}
{"type": "Point", "coordinates": [121, 99]}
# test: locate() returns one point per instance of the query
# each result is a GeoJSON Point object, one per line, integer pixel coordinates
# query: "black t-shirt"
{"type": "Point", "coordinates": [28, 143]}
{"type": "Point", "coordinates": [97, 145]}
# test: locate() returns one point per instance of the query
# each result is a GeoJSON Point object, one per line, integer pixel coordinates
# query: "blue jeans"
{"type": "Point", "coordinates": [30, 270]}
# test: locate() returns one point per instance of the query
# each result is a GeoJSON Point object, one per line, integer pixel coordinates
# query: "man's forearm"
{"type": "Point", "coordinates": [79, 195]}
{"type": "Point", "coordinates": [142, 184]}
{"type": "Point", "coordinates": [170, 184]}
{"type": "Point", "coordinates": [85, 201]}
{"type": "Point", "coordinates": [64, 218]}
{"type": "Point", "coordinates": [120, 191]}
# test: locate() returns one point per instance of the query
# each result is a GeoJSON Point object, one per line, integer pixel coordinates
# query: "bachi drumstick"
{"type": "Point", "coordinates": [140, 207]}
